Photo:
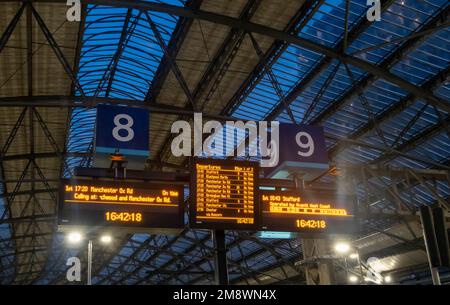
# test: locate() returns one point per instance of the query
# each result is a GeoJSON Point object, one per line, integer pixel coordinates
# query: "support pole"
{"type": "Point", "coordinates": [361, 274]}
{"type": "Point", "coordinates": [321, 271]}
{"type": "Point", "coordinates": [89, 267]}
{"type": "Point", "coordinates": [435, 275]}
{"type": "Point", "coordinates": [220, 257]}
{"type": "Point", "coordinates": [431, 246]}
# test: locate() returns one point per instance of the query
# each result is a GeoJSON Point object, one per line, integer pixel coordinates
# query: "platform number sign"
{"type": "Point", "coordinates": [302, 143]}
{"type": "Point", "coordinates": [127, 127]}
{"type": "Point", "coordinates": [301, 148]}
{"type": "Point", "coordinates": [124, 129]}
{"type": "Point", "coordinates": [305, 144]}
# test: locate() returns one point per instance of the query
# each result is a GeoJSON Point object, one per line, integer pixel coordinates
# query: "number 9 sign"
{"type": "Point", "coordinates": [301, 150]}
{"type": "Point", "coordinates": [122, 128]}
{"type": "Point", "coordinates": [308, 145]}
{"type": "Point", "coordinates": [302, 143]}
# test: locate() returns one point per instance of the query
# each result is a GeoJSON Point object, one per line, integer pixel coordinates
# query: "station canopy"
{"type": "Point", "coordinates": [380, 90]}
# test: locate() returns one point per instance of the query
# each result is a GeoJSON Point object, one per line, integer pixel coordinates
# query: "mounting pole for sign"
{"type": "Point", "coordinates": [118, 162]}
{"type": "Point", "coordinates": [89, 267]}
{"type": "Point", "coordinates": [220, 257]}
{"type": "Point", "coordinates": [320, 272]}
{"type": "Point", "coordinates": [431, 245]}
{"type": "Point", "coordinates": [299, 182]}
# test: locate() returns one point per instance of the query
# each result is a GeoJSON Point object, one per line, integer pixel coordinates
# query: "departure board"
{"type": "Point", "coordinates": [223, 194]}
{"type": "Point", "coordinates": [86, 202]}
{"type": "Point", "coordinates": [309, 211]}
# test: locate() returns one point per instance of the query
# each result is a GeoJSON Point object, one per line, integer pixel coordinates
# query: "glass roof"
{"type": "Point", "coordinates": [121, 40]}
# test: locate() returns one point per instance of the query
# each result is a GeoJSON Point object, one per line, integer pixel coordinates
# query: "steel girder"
{"type": "Point", "coordinates": [77, 101]}
{"type": "Point", "coordinates": [390, 112]}
{"type": "Point", "coordinates": [177, 39]}
{"type": "Point", "coordinates": [324, 63]}
{"type": "Point", "coordinates": [11, 26]}
{"type": "Point", "coordinates": [408, 44]}
{"type": "Point", "coordinates": [276, 34]}
{"type": "Point", "coordinates": [294, 26]}
{"type": "Point", "coordinates": [214, 71]}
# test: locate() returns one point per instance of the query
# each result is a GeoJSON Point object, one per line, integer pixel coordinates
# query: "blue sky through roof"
{"type": "Point", "coordinates": [136, 63]}
{"type": "Point", "coordinates": [141, 57]}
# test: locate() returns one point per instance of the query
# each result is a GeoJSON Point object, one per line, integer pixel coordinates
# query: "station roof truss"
{"type": "Point", "coordinates": [380, 90]}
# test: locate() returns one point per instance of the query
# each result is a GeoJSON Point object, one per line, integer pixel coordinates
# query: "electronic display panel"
{"type": "Point", "coordinates": [95, 203]}
{"type": "Point", "coordinates": [223, 194]}
{"type": "Point", "coordinates": [309, 211]}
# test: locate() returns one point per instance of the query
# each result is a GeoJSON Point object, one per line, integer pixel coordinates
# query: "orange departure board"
{"type": "Point", "coordinates": [85, 202]}
{"type": "Point", "coordinates": [223, 194]}
{"type": "Point", "coordinates": [309, 211]}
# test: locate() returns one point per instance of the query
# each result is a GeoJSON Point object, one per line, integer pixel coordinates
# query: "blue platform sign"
{"type": "Point", "coordinates": [122, 129]}
{"type": "Point", "coordinates": [302, 150]}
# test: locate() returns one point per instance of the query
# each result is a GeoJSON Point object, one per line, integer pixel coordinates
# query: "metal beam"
{"type": "Point", "coordinates": [365, 81]}
{"type": "Point", "coordinates": [179, 34]}
{"type": "Point", "coordinates": [27, 192]}
{"type": "Point", "coordinates": [321, 66]}
{"type": "Point", "coordinates": [413, 142]}
{"type": "Point", "coordinates": [222, 58]}
{"type": "Point", "coordinates": [45, 155]}
{"type": "Point", "coordinates": [126, 31]}
{"type": "Point", "coordinates": [297, 22]}
{"type": "Point", "coordinates": [393, 109]}
{"type": "Point", "coordinates": [76, 101]}
{"type": "Point", "coordinates": [76, 63]}
{"type": "Point", "coordinates": [173, 65]}
{"type": "Point", "coordinates": [387, 150]}
{"type": "Point", "coordinates": [10, 28]}
{"type": "Point", "coordinates": [39, 217]}
{"type": "Point", "coordinates": [29, 51]}
{"type": "Point", "coordinates": [56, 49]}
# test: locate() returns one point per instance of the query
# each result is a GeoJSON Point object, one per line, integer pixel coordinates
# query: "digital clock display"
{"type": "Point", "coordinates": [123, 216]}
{"type": "Point", "coordinates": [96, 203]}
{"type": "Point", "coordinates": [311, 224]}
{"type": "Point", "coordinates": [310, 211]}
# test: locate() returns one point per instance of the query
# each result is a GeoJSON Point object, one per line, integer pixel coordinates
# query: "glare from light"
{"type": "Point", "coordinates": [106, 239]}
{"type": "Point", "coordinates": [354, 256]}
{"type": "Point", "coordinates": [74, 237]}
{"type": "Point", "coordinates": [387, 279]}
{"type": "Point", "coordinates": [342, 247]}
{"type": "Point", "coordinates": [376, 264]}
{"type": "Point", "coordinates": [376, 281]}
{"type": "Point", "coordinates": [353, 279]}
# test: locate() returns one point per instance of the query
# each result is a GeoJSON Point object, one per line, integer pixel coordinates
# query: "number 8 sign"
{"type": "Point", "coordinates": [126, 127]}
{"type": "Point", "coordinates": [122, 128]}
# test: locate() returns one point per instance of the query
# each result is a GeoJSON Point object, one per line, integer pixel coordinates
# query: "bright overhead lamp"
{"type": "Point", "coordinates": [353, 279]}
{"type": "Point", "coordinates": [342, 247]}
{"type": "Point", "coordinates": [387, 279]}
{"type": "Point", "coordinates": [354, 256]}
{"type": "Point", "coordinates": [106, 239]}
{"type": "Point", "coordinates": [74, 237]}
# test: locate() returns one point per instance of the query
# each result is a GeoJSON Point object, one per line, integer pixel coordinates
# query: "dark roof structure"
{"type": "Point", "coordinates": [381, 90]}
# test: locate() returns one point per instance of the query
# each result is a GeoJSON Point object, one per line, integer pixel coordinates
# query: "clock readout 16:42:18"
{"type": "Point", "coordinates": [123, 216]}
{"type": "Point", "coordinates": [311, 224]}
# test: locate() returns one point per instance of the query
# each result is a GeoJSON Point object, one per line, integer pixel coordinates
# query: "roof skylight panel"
{"type": "Point", "coordinates": [398, 21]}
{"type": "Point", "coordinates": [328, 23]}
{"type": "Point", "coordinates": [418, 72]}
{"type": "Point", "coordinates": [304, 60]}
